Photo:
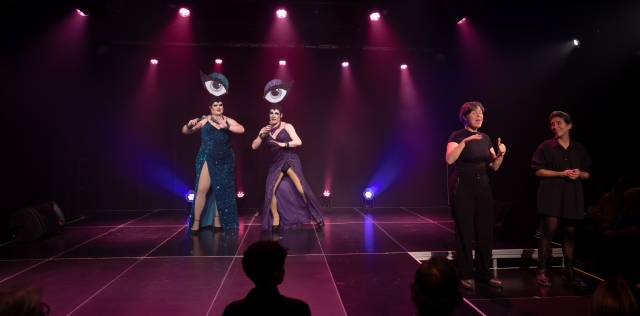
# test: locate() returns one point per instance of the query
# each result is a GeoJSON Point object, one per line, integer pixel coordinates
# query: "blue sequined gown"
{"type": "Point", "coordinates": [217, 152]}
{"type": "Point", "coordinates": [291, 207]}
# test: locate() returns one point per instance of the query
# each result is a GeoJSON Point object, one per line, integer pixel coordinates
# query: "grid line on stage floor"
{"type": "Point", "coordinates": [361, 255]}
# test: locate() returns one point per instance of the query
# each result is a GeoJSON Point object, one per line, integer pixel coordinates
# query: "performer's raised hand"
{"type": "Point", "coordinates": [192, 123]}
{"type": "Point", "coordinates": [472, 138]}
{"type": "Point", "coordinates": [216, 122]}
{"type": "Point", "coordinates": [502, 149]}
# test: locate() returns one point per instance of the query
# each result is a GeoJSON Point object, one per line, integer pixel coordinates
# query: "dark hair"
{"type": "Point", "coordinates": [276, 106]}
{"type": "Point", "coordinates": [565, 116]}
{"type": "Point", "coordinates": [632, 194]}
{"type": "Point", "coordinates": [214, 99]}
{"type": "Point", "coordinates": [21, 300]}
{"type": "Point", "coordinates": [435, 289]}
{"type": "Point", "coordinates": [262, 259]}
{"type": "Point", "coordinates": [614, 297]}
{"type": "Point", "coordinates": [467, 108]}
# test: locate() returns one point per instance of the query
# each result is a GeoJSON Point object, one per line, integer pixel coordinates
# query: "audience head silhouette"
{"type": "Point", "coordinates": [263, 262]}
{"type": "Point", "coordinates": [22, 301]}
{"type": "Point", "coordinates": [615, 297]}
{"type": "Point", "coordinates": [434, 289]}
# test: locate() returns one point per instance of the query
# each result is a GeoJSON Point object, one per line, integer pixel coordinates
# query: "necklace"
{"type": "Point", "coordinates": [274, 129]}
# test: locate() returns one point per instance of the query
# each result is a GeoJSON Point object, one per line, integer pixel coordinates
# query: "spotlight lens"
{"type": "Point", "coordinates": [368, 194]}
{"type": "Point", "coordinates": [184, 12]}
{"type": "Point", "coordinates": [154, 61]}
{"type": "Point", "coordinates": [282, 63]}
{"type": "Point", "coordinates": [375, 16]}
{"type": "Point", "coordinates": [576, 42]}
{"type": "Point", "coordinates": [403, 66]}
{"type": "Point", "coordinates": [462, 21]}
{"type": "Point", "coordinates": [190, 196]}
{"type": "Point", "coordinates": [281, 14]}
{"type": "Point", "coordinates": [218, 61]}
{"type": "Point", "coordinates": [345, 64]}
{"type": "Point", "coordinates": [240, 194]}
{"type": "Point", "coordinates": [81, 13]}
{"type": "Point", "coordinates": [326, 193]}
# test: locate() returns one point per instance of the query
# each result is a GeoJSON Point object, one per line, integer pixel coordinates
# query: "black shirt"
{"type": "Point", "coordinates": [475, 155]}
{"type": "Point", "coordinates": [267, 301]}
{"type": "Point", "coordinates": [561, 197]}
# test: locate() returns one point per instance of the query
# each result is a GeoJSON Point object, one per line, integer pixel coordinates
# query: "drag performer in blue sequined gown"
{"type": "Point", "coordinates": [289, 200]}
{"type": "Point", "coordinates": [215, 201]}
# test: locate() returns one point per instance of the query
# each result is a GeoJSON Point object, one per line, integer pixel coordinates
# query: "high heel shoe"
{"type": "Point", "coordinates": [320, 224]}
{"type": "Point", "coordinates": [194, 232]}
{"type": "Point", "coordinates": [217, 228]}
{"type": "Point", "coordinates": [275, 228]}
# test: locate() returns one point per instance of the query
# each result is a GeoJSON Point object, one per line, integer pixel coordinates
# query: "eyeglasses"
{"type": "Point", "coordinates": [274, 113]}
{"type": "Point", "coordinates": [216, 105]}
{"type": "Point", "coordinates": [45, 309]}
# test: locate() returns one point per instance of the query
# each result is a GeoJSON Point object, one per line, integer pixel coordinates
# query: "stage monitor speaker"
{"type": "Point", "coordinates": [35, 222]}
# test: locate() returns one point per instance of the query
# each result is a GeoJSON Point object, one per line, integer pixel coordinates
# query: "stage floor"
{"type": "Point", "coordinates": [360, 263]}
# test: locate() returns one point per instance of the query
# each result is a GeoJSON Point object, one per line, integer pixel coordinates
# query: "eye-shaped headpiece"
{"type": "Point", "coordinates": [216, 83]}
{"type": "Point", "coordinates": [276, 90]}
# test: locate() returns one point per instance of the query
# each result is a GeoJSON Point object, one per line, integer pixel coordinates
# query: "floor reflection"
{"type": "Point", "coordinates": [210, 243]}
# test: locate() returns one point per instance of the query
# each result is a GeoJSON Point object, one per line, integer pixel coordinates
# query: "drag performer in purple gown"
{"type": "Point", "coordinates": [288, 199]}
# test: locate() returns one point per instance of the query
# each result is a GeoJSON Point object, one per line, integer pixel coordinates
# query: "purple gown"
{"type": "Point", "coordinates": [291, 207]}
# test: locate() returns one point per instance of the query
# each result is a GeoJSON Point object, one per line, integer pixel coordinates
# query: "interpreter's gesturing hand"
{"type": "Point", "coordinates": [472, 138]}
{"type": "Point", "coordinates": [575, 174]}
{"type": "Point", "coordinates": [502, 149]}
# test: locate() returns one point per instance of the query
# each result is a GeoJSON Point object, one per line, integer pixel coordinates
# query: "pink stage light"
{"type": "Point", "coordinates": [281, 14]}
{"type": "Point", "coordinates": [462, 21]}
{"type": "Point", "coordinates": [282, 63]}
{"type": "Point", "coordinates": [154, 61]}
{"type": "Point", "coordinates": [218, 61]}
{"type": "Point", "coordinates": [184, 12]}
{"type": "Point", "coordinates": [240, 194]}
{"type": "Point", "coordinates": [81, 13]}
{"type": "Point", "coordinates": [326, 193]}
{"type": "Point", "coordinates": [375, 16]}
{"type": "Point", "coordinates": [345, 64]}
{"type": "Point", "coordinates": [403, 66]}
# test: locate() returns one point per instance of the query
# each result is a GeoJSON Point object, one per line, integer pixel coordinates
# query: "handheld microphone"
{"type": "Point", "coordinates": [204, 117]}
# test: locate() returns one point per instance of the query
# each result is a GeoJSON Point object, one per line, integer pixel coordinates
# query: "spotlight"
{"type": "Point", "coordinates": [576, 42]}
{"type": "Point", "coordinates": [154, 61]}
{"type": "Point", "coordinates": [403, 66]}
{"type": "Point", "coordinates": [325, 199]}
{"type": "Point", "coordinates": [345, 64]}
{"type": "Point", "coordinates": [375, 16]}
{"type": "Point", "coordinates": [367, 198]}
{"type": "Point", "coordinates": [462, 21]}
{"type": "Point", "coordinates": [190, 196]}
{"type": "Point", "coordinates": [281, 14]}
{"type": "Point", "coordinates": [81, 13]}
{"type": "Point", "coordinates": [184, 12]}
{"type": "Point", "coordinates": [240, 194]}
{"type": "Point", "coordinates": [282, 63]}
{"type": "Point", "coordinates": [218, 61]}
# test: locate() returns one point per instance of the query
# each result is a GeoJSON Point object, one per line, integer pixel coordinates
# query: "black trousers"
{"type": "Point", "coordinates": [472, 207]}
